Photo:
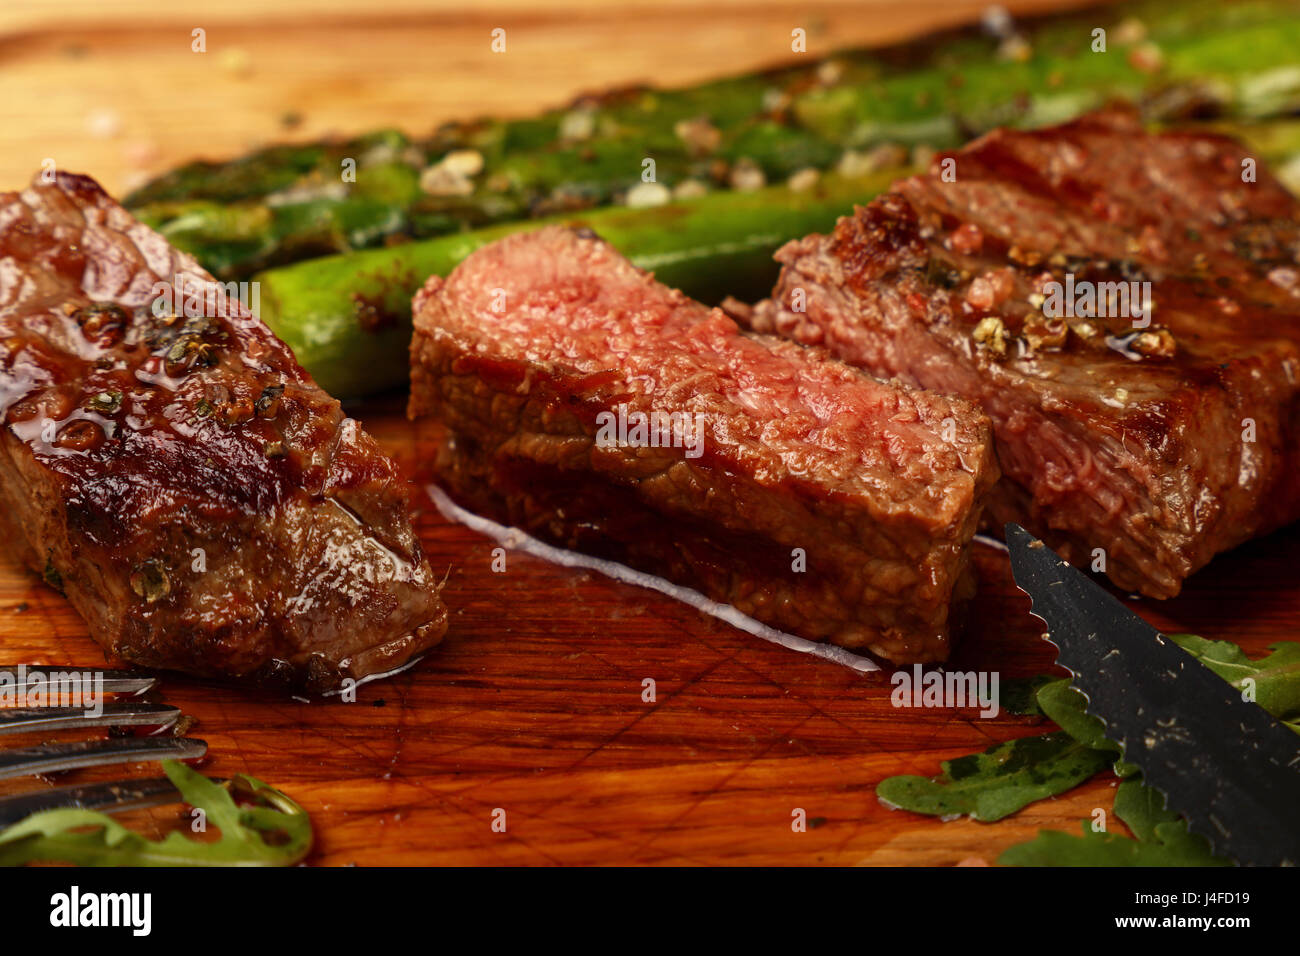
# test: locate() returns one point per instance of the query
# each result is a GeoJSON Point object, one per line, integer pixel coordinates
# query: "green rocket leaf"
{"type": "Point", "coordinates": [268, 830]}
{"type": "Point", "coordinates": [1007, 777]}
{"type": "Point", "coordinates": [998, 782]}
{"type": "Point", "coordinates": [1274, 680]}
{"type": "Point", "coordinates": [1142, 808]}
{"type": "Point", "coordinates": [1065, 707]}
{"type": "Point", "coordinates": [1019, 695]}
{"type": "Point", "coordinates": [1171, 845]}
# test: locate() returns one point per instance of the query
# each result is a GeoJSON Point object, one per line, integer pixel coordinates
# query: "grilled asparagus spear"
{"type": "Point", "coordinates": [1175, 57]}
{"type": "Point", "coordinates": [348, 317]}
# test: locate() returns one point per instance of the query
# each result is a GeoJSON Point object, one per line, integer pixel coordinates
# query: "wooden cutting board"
{"type": "Point", "coordinates": [533, 704]}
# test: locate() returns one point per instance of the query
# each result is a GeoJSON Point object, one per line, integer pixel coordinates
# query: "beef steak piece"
{"type": "Point", "coordinates": [1160, 438]}
{"type": "Point", "coordinates": [200, 501]}
{"type": "Point", "coordinates": [599, 410]}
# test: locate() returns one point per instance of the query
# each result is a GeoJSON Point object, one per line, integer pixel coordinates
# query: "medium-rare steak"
{"type": "Point", "coordinates": [169, 466]}
{"type": "Point", "coordinates": [1013, 274]}
{"type": "Point", "coordinates": [597, 409]}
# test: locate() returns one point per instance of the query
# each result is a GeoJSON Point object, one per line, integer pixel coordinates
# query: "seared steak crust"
{"type": "Point", "coordinates": [532, 342]}
{"type": "Point", "coordinates": [1162, 445]}
{"type": "Point", "coordinates": [200, 501]}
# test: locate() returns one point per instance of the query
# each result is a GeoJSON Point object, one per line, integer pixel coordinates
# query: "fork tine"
{"type": "Point", "coordinates": [48, 758]}
{"type": "Point", "coordinates": [16, 720]}
{"type": "Point", "coordinates": [115, 681]}
{"type": "Point", "coordinates": [115, 796]}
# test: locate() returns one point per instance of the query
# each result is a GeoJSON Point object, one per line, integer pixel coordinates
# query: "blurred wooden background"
{"type": "Point", "coordinates": [111, 87]}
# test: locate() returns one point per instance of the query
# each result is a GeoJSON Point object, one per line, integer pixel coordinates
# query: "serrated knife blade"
{"type": "Point", "coordinates": [1221, 761]}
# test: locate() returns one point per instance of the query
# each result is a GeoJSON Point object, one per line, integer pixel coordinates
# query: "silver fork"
{"type": "Point", "coordinates": [112, 796]}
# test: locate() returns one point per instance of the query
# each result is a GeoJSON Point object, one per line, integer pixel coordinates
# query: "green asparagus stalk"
{"type": "Point", "coordinates": [290, 203]}
{"type": "Point", "coordinates": [348, 317]}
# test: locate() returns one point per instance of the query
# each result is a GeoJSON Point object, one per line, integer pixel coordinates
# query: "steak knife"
{"type": "Point", "coordinates": [1221, 761]}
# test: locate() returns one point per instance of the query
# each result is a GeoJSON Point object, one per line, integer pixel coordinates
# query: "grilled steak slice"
{"type": "Point", "coordinates": [201, 502]}
{"type": "Point", "coordinates": [1161, 445]}
{"type": "Point", "coordinates": [542, 353]}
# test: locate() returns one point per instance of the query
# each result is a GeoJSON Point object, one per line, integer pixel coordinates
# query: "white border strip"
{"type": "Point", "coordinates": [518, 540]}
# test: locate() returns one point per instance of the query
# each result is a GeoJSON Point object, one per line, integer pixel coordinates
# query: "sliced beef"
{"type": "Point", "coordinates": [1150, 448]}
{"type": "Point", "coordinates": [200, 501]}
{"type": "Point", "coordinates": [816, 499]}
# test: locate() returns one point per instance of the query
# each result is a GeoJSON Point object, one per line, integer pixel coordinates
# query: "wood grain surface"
{"type": "Point", "coordinates": [534, 702]}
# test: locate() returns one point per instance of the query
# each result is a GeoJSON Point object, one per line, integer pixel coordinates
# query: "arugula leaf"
{"type": "Point", "coordinates": [1019, 695]}
{"type": "Point", "coordinates": [1163, 838]}
{"type": "Point", "coordinates": [1123, 769]}
{"type": "Point", "coordinates": [1007, 777]}
{"type": "Point", "coordinates": [1142, 808]}
{"type": "Point", "coordinates": [271, 830]}
{"type": "Point", "coordinates": [1064, 706]}
{"type": "Point", "coordinates": [998, 782]}
{"type": "Point", "coordinates": [1171, 845]}
{"type": "Point", "coordinates": [1276, 677]}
